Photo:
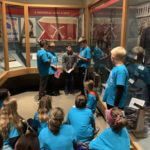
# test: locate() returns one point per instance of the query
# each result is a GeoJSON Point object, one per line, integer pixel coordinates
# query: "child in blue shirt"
{"type": "Point", "coordinates": [82, 120]}
{"type": "Point", "coordinates": [92, 96]}
{"type": "Point", "coordinates": [43, 64]}
{"type": "Point", "coordinates": [41, 116]}
{"type": "Point", "coordinates": [84, 58]}
{"type": "Point", "coordinates": [117, 84]}
{"type": "Point", "coordinates": [114, 138]}
{"type": "Point", "coordinates": [57, 136]}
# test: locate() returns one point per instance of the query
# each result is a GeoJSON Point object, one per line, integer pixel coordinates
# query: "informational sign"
{"type": "Point", "coordinates": [61, 28]}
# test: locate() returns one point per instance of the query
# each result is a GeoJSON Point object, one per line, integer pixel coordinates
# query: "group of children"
{"type": "Point", "coordinates": [49, 130]}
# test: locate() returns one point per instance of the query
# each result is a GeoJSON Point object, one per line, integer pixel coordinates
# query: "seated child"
{"type": "Point", "coordinates": [4, 96]}
{"type": "Point", "coordinates": [92, 96]}
{"type": "Point", "coordinates": [11, 126]}
{"type": "Point", "coordinates": [114, 138]}
{"type": "Point", "coordinates": [82, 120]}
{"type": "Point", "coordinates": [28, 142]}
{"type": "Point", "coordinates": [57, 136]}
{"type": "Point", "coordinates": [41, 116]}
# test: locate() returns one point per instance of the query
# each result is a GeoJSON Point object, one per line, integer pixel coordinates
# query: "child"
{"type": "Point", "coordinates": [43, 64]}
{"type": "Point", "coordinates": [84, 58]}
{"type": "Point", "coordinates": [11, 126]}
{"type": "Point", "coordinates": [82, 120]}
{"type": "Point", "coordinates": [69, 61]}
{"type": "Point", "coordinates": [114, 138]}
{"type": "Point", "coordinates": [57, 136]}
{"type": "Point", "coordinates": [28, 142]}
{"type": "Point", "coordinates": [41, 116]}
{"type": "Point", "coordinates": [92, 96]}
{"type": "Point", "coordinates": [117, 84]}
{"type": "Point", "coordinates": [4, 96]}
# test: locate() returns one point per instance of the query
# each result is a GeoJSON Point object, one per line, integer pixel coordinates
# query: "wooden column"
{"type": "Point", "coordinates": [5, 37]}
{"type": "Point", "coordinates": [87, 24]}
{"type": "Point", "coordinates": [124, 23]}
{"type": "Point", "coordinates": [27, 40]}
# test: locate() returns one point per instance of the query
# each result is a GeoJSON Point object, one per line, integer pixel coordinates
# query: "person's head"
{"type": "Point", "coordinates": [45, 105]}
{"type": "Point", "coordinates": [118, 55]}
{"type": "Point", "coordinates": [43, 44]}
{"type": "Point", "coordinates": [116, 119]}
{"type": "Point", "coordinates": [82, 42]}
{"type": "Point", "coordinates": [10, 109]}
{"type": "Point", "coordinates": [4, 96]}
{"type": "Point", "coordinates": [138, 52]}
{"type": "Point", "coordinates": [89, 85]}
{"type": "Point", "coordinates": [28, 142]}
{"type": "Point", "coordinates": [56, 119]}
{"type": "Point", "coordinates": [69, 49]}
{"type": "Point", "coordinates": [80, 101]}
{"type": "Point", "coordinates": [1, 142]}
{"type": "Point", "coordinates": [51, 46]}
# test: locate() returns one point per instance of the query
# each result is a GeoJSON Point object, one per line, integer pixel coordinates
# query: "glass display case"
{"type": "Point", "coordinates": [60, 25]}
{"type": "Point", "coordinates": [1, 43]}
{"type": "Point", "coordinates": [15, 32]}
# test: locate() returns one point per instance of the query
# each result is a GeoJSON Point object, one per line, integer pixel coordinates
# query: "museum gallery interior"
{"type": "Point", "coordinates": [74, 74]}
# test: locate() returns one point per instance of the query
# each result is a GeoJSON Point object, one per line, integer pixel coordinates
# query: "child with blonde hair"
{"type": "Point", "coordinates": [117, 84]}
{"type": "Point", "coordinates": [91, 94]}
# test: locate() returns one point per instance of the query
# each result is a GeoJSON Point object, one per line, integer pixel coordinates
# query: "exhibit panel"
{"type": "Point", "coordinates": [16, 34]}
{"type": "Point", "coordinates": [62, 26]}
{"type": "Point", "coordinates": [1, 43]}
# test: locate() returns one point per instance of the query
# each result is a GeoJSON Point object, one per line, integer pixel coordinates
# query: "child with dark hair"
{"type": "Point", "coordinates": [82, 120]}
{"type": "Point", "coordinates": [57, 136]}
{"type": "Point", "coordinates": [28, 142]}
{"type": "Point", "coordinates": [114, 138]}
{"type": "Point", "coordinates": [42, 115]}
{"type": "Point", "coordinates": [4, 96]}
{"type": "Point", "coordinates": [92, 96]}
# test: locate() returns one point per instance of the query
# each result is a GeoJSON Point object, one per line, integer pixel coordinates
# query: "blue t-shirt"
{"type": "Point", "coordinates": [86, 53]}
{"type": "Point", "coordinates": [97, 54]}
{"type": "Point", "coordinates": [42, 59]}
{"type": "Point", "coordinates": [91, 102]}
{"type": "Point", "coordinates": [81, 120]}
{"type": "Point", "coordinates": [38, 124]}
{"type": "Point", "coordinates": [110, 140]}
{"type": "Point", "coordinates": [118, 76]}
{"type": "Point", "coordinates": [12, 134]}
{"type": "Point", "coordinates": [54, 61]}
{"type": "Point", "coordinates": [62, 141]}
{"type": "Point", "coordinates": [139, 71]}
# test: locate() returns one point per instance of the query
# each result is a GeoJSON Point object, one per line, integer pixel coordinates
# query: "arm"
{"type": "Point", "coordinates": [45, 59]}
{"type": "Point", "coordinates": [119, 93]}
{"type": "Point", "coordinates": [64, 62]}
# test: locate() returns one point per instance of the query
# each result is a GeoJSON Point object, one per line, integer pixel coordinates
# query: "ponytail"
{"type": "Point", "coordinates": [56, 119]}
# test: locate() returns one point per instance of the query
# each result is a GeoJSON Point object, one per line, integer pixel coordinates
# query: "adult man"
{"type": "Point", "coordinates": [43, 64]}
{"type": "Point", "coordinates": [84, 58]}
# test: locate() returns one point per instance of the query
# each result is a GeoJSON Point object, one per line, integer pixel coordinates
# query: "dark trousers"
{"type": "Point", "coordinates": [69, 82]}
{"type": "Point", "coordinates": [43, 85]}
{"type": "Point", "coordinates": [110, 106]}
{"type": "Point", "coordinates": [82, 79]}
{"type": "Point", "coordinates": [52, 85]}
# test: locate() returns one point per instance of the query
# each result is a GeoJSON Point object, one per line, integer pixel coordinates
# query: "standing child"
{"type": "Point", "coordinates": [117, 84]}
{"type": "Point", "coordinates": [43, 64]}
{"type": "Point", "coordinates": [69, 61]}
{"type": "Point", "coordinates": [92, 96]}
{"type": "Point", "coordinates": [41, 116]}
